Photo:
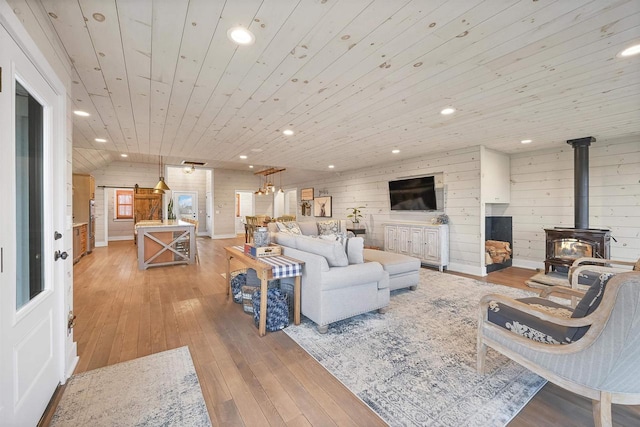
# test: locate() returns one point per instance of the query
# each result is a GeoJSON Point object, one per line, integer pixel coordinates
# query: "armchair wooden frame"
{"type": "Point", "coordinates": [597, 321]}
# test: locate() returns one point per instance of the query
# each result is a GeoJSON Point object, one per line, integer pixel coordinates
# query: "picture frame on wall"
{"type": "Point", "coordinates": [306, 194]}
{"type": "Point", "coordinates": [322, 207]}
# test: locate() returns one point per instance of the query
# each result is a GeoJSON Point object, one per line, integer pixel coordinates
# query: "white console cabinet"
{"type": "Point", "coordinates": [429, 243]}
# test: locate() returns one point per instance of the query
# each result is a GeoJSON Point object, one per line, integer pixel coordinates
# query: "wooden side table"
{"type": "Point", "coordinates": [357, 231]}
{"type": "Point", "coordinates": [265, 273]}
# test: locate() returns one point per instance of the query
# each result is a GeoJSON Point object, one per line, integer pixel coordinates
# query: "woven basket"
{"type": "Point", "coordinates": [288, 289]}
{"type": "Point", "coordinates": [277, 310]}
{"type": "Point", "coordinates": [238, 279]}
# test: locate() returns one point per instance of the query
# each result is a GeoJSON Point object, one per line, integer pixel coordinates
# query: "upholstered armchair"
{"type": "Point", "coordinates": [592, 350]}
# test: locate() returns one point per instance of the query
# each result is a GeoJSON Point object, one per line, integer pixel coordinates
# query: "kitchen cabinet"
{"type": "Point", "coordinates": [79, 241]}
{"type": "Point", "coordinates": [429, 243]}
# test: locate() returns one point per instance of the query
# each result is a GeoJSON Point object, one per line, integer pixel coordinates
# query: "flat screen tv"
{"type": "Point", "coordinates": [413, 194]}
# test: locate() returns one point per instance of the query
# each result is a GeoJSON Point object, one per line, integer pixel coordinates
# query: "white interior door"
{"type": "Point", "coordinates": [208, 209]}
{"type": "Point", "coordinates": [32, 331]}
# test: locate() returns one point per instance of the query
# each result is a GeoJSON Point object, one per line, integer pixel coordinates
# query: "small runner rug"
{"type": "Point", "coordinates": [157, 390]}
{"type": "Point", "coordinates": [416, 364]}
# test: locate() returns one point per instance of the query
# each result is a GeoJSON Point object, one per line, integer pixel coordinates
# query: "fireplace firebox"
{"type": "Point", "coordinates": [565, 245]}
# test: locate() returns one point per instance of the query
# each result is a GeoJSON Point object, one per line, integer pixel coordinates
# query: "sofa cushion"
{"type": "Point", "coordinates": [530, 326]}
{"type": "Point", "coordinates": [331, 250]}
{"type": "Point", "coordinates": [393, 263]}
{"type": "Point", "coordinates": [328, 227]}
{"type": "Point", "coordinates": [308, 228]}
{"type": "Point", "coordinates": [353, 246]}
{"type": "Point", "coordinates": [286, 239]}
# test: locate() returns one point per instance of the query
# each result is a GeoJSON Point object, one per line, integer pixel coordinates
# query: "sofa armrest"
{"type": "Point", "coordinates": [352, 275]}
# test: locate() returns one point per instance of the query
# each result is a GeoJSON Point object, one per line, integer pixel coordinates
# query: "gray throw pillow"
{"type": "Point", "coordinates": [331, 250]}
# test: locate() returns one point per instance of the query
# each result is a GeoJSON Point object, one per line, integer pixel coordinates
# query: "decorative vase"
{"type": "Point", "coordinates": [261, 237]}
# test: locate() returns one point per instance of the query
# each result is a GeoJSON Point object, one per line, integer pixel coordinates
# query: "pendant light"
{"type": "Point", "coordinates": [161, 185]}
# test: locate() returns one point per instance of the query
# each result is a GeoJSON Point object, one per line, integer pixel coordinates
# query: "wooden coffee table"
{"type": "Point", "coordinates": [265, 272]}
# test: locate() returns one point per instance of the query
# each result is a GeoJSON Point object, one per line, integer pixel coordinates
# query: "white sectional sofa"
{"type": "Point", "coordinates": [340, 279]}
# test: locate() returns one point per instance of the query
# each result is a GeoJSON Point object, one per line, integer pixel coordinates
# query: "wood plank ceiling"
{"type": "Point", "coordinates": [353, 78]}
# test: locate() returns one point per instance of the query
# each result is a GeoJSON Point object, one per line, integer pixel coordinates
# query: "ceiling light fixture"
{"type": "Point", "coordinates": [331, 166]}
{"type": "Point", "coordinates": [288, 132]}
{"type": "Point", "coordinates": [526, 141]}
{"type": "Point", "coordinates": [395, 151]}
{"type": "Point", "coordinates": [100, 140]}
{"type": "Point", "coordinates": [243, 157]}
{"type": "Point", "coordinates": [81, 113]}
{"type": "Point", "coordinates": [447, 111]}
{"type": "Point", "coordinates": [250, 166]}
{"type": "Point", "coordinates": [241, 36]}
{"type": "Point", "coordinates": [124, 155]}
{"type": "Point", "coordinates": [161, 185]}
{"type": "Point", "coordinates": [630, 51]}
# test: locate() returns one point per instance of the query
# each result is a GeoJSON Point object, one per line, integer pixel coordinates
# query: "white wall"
{"type": "Point", "coordinates": [119, 174]}
{"type": "Point", "coordinates": [542, 197]}
{"type": "Point", "coordinates": [196, 181]}
{"type": "Point", "coordinates": [369, 187]}
{"type": "Point", "coordinates": [225, 184]}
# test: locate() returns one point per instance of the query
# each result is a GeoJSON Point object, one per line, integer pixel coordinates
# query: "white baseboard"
{"type": "Point", "coordinates": [466, 269]}
{"type": "Point", "coordinates": [101, 244]}
{"type": "Point", "coordinates": [120, 238]}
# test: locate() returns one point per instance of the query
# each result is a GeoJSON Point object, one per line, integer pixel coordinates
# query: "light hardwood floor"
{"type": "Point", "coordinates": [123, 313]}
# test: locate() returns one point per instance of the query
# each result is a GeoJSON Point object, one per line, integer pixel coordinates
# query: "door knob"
{"type": "Point", "coordinates": [57, 235]}
{"type": "Point", "coordinates": [57, 255]}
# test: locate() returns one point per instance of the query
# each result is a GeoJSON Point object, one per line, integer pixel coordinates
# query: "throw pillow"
{"type": "Point", "coordinates": [589, 302]}
{"type": "Point", "coordinates": [328, 227]}
{"type": "Point", "coordinates": [637, 266]}
{"type": "Point", "coordinates": [292, 227]}
{"type": "Point", "coordinates": [282, 227]}
{"type": "Point", "coordinates": [331, 250]}
{"type": "Point", "coordinates": [354, 247]}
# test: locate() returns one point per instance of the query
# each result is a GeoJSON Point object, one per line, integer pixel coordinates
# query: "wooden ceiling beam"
{"type": "Point", "coordinates": [270, 171]}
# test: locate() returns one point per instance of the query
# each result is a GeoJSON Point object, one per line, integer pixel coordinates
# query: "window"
{"type": "Point", "coordinates": [124, 204]}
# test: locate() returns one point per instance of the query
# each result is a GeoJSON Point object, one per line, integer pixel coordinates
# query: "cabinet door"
{"type": "Point", "coordinates": [404, 240]}
{"type": "Point", "coordinates": [416, 242]}
{"type": "Point", "coordinates": [76, 244]}
{"type": "Point", "coordinates": [390, 238]}
{"type": "Point", "coordinates": [431, 244]}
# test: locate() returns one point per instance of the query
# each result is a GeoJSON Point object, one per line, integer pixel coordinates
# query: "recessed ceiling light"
{"type": "Point", "coordinates": [630, 51]}
{"type": "Point", "coordinates": [241, 36]}
{"type": "Point", "coordinates": [124, 155]}
{"type": "Point", "coordinates": [288, 132]}
{"type": "Point", "coordinates": [331, 166]}
{"type": "Point", "coordinates": [447, 111]}
{"type": "Point", "coordinates": [100, 140]}
{"type": "Point", "coordinates": [81, 113]}
{"type": "Point", "coordinates": [395, 151]}
{"type": "Point", "coordinates": [243, 157]}
{"type": "Point", "coordinates": [526, 141]}
{"type": "Point", "coordinates": [250, 166]}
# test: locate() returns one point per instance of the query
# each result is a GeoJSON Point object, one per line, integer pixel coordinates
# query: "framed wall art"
{"type": "Point", "coordinates": [322, 206]}
{"type": "Point", "coordinates": [306, 194]}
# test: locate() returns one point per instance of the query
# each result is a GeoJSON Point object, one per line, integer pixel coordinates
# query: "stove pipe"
{"type": "Point", "coordinates": [581, 180]}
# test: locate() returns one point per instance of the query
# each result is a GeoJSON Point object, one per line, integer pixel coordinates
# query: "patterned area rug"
{"type": "Point", "coordinates": [160, 389]}
{"type": "Point", "coordinates": [415, 365]}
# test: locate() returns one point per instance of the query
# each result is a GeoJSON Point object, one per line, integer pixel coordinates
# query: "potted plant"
{"type": "Point", "coordinates": [355, 215]}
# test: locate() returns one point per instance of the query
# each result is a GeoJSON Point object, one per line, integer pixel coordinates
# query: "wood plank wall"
{"type": "Point", "coordinates": [225, 184]}
{"type": "Point", "coordinates": [542, 197]}
{"type": "Point", "coordinates": [119, 174]}
{"type": "Point", "coordinates": [460, 172]}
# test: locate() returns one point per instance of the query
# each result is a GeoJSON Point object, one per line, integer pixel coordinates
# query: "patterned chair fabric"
{"type": "Point", "coordinates": [603, 364]}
